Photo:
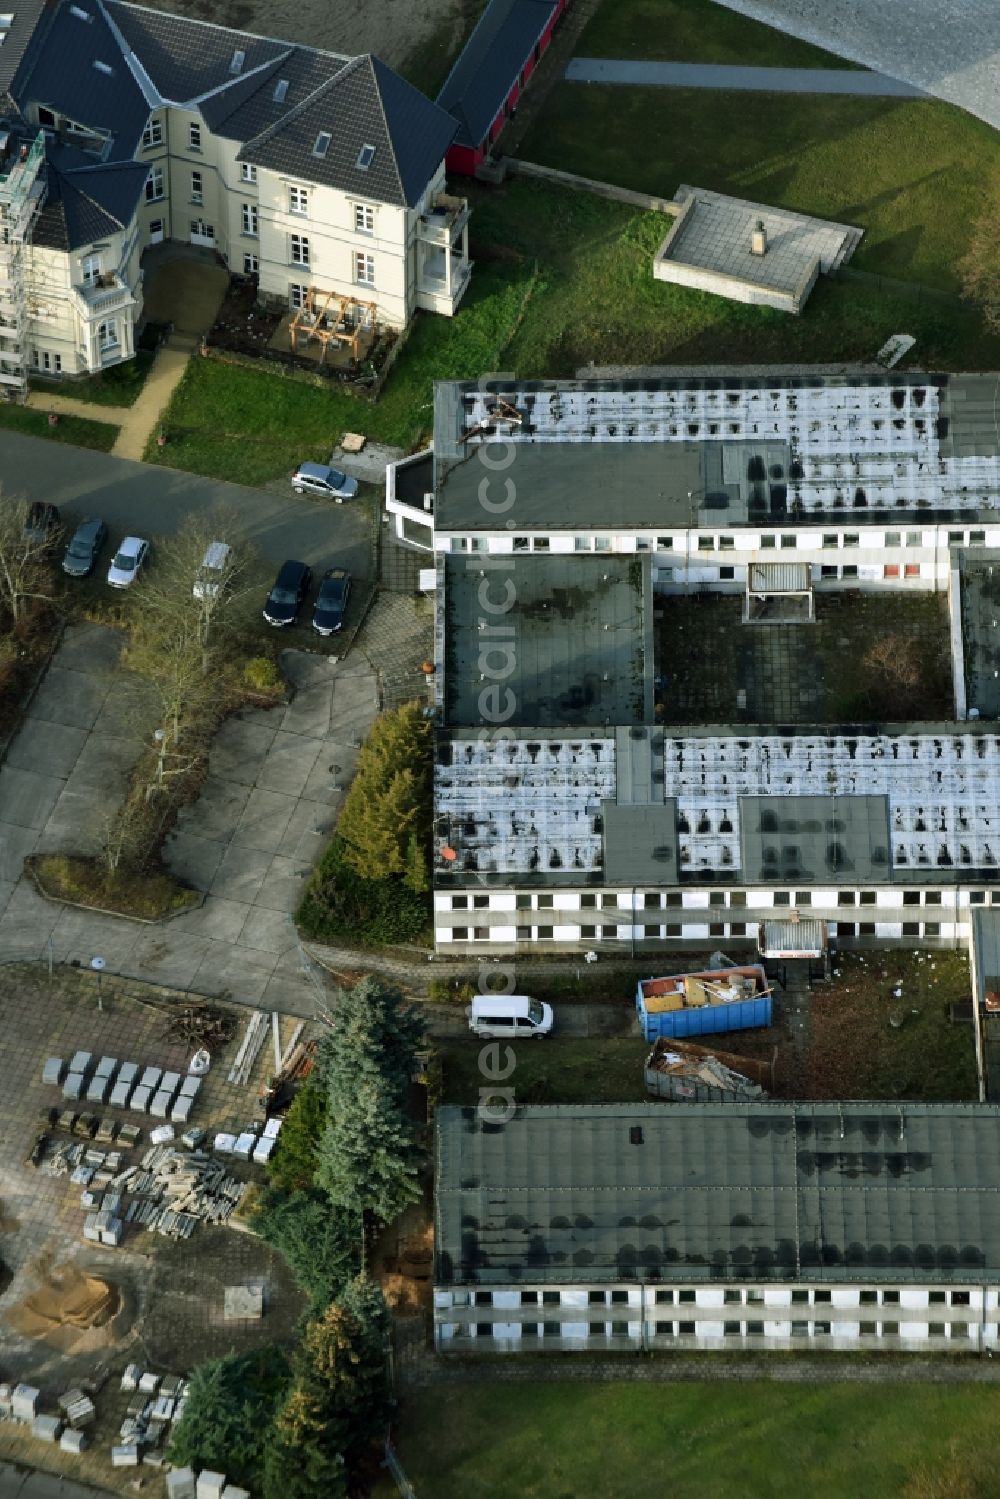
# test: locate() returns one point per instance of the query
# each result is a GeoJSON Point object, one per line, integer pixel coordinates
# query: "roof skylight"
{"type": "Point", "coordinates": [365, 157]}
{"type": "Point", "coordinates": [80, 13]}
{"type": "Point", "coordinates": [238, 59]}
{"type": "Point", "coordinates": [281, 91]}
{"type": "Point", "coordinates": [322, 145]}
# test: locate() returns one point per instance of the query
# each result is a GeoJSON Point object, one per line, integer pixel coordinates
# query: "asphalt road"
{"type": "Point", "coordinates": [136, 499]}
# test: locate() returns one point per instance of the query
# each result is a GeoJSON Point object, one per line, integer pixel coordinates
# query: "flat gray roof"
{"type": "Point", "coordinates": [813, 838]}
{"type": "Point", "coordinates": [640, 844]}
{"type": "Point", "coordinates": [979, 574]}
{"type": "Point", "coordinates": [662, 453]}
{"type": "Point", "coordinates": [690, 1191]}
{"type": "Point", "coordinates": [576, 646]}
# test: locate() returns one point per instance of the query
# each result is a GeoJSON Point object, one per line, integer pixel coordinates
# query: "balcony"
{"type": "Point", "coordinates": [107, 293]}
{"type": "Point", "coordinates": [444, 221]}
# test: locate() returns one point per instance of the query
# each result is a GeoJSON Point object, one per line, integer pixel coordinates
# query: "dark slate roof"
{"type": "Point", "coordinates": [366, 103]}
{"type": "Point", "coordinates": [186, 58]}
{"type": "Point", "coordinates": [29, 18]}
{"type": "Point", "coordinates": [852, 1191]}
{"type": "Point", "coordinates": [490, 63]}
{"type": "Point", "coordinates": [248, 107]}
{"type": "Point", "coordinates": [60, 75]}
{"type": "Point", "coordinates": [87, 203]}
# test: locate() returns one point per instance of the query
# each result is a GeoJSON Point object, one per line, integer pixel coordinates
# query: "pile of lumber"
{"type": "Point", "coordinates": [172, 1191]}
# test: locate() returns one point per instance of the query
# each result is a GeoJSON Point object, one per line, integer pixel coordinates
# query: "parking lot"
{"type": "Point", "coordinates": [136, 499]}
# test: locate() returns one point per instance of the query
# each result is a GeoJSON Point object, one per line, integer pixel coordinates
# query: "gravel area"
{"type": "Point", "coordinates": [951, 48]}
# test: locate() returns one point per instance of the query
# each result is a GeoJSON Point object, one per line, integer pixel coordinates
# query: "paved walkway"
{"type": "Point", "coordinates": [184, 289]}
{"type": "Point", "coordinates": [275, 783]}
{"type": "Point", "coordinates": [755, 80]}
{"type": "Point", "coordinates": [28, 1483]}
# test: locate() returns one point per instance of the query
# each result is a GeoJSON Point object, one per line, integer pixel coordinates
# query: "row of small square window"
{"type": "Point", "coordinates": [676, 929]}
{"type": "Point", "coordinates": [786, 542]}
{"type": "Point", "coordinates": [735, 899]}
{"type": "Point", "coordinates": [732, 1296]}
{"type": "Point", "coordinates": [748, 1329]}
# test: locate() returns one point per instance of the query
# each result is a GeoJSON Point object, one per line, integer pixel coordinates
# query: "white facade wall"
{"type": "Point", "coordinates": [724, 1317]}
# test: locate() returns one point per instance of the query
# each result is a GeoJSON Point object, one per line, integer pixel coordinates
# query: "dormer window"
{"type": "Point", "coordinates": [322, 145]}
{"type": "Point", "coordinates": [236, 65]}
{"type": "Point", "coordinates": [281, 91]}
{"type": "Point", "coordinates": [365, 158]}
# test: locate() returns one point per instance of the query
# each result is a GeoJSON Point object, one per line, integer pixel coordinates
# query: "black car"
{"type": "Point", "coordinates": [288, 594]}
{"type": "Point", "coordinates": [40, 522]}
{"type": "Point", "coordinates": [84, 549]}
{"type": "Point", "coordinates": [331, 601]}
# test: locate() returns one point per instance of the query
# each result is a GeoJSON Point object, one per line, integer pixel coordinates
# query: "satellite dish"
{"type": "Point", "coordinates": [98, 964]}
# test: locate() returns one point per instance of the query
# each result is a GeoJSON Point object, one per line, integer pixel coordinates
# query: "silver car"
{"type": "Point", "coordinates": [319, 478]}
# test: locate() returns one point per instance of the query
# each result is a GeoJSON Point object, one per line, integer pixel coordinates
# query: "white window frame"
{"type": "Point", "coordinates": [198, 188]}
{"type": "Point", "coordinates": [298, 249]}
{"type": "Point", "coordinates": [194, 136]}
{"type": "Point", "coordinates": [364, 268]}
{"type": "Point", "coordinates": [251, 265]}
{"type": "Point", "coordinates": [153, 191]}
{"type": "Point", "coordinates": [251, 220]}
{"type": "Point", "coordinates": [297, 293]}
{"type": "Point", "coordinates": [248, 172]}
{"type": "Point", "coordinates": [107, 335]}
{"type": "Point", "coordinates": [364, 218]}
{"type": "Point", "coordinates": [153, 133]}
{"type": "Point", "coordinates": [298, 201]}
{"type": "Point", "coordinates": [90, 267]}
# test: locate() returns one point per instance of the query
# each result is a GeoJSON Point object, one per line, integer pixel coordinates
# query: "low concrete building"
{"type": "Point", "coordinates": [666, 1227]}
{"type": "Point", "coordinates": [748, 252]}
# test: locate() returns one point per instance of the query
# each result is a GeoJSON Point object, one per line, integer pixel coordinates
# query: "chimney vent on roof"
{"type": "Point", "coordinates": [758, 239]}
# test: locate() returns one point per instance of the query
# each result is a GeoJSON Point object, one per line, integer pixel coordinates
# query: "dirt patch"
{"type": "Point", "coordinates": [394, 29]}
{"type": "Point", "coordinates": [72, 1311]}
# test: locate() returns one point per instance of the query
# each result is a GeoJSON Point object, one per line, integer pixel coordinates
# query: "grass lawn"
{"type": "Point", "coordinates": [228, 421]}
{"type": "Point", "coordinates": [78, 430]}
{"type": "Point", "coordinates": [700, 1441]}
{"type": "Point", "coordinates": [866, 1043]}
{"type": "Point", "coordinates": [117, 386]}
{"type": "Point", "coordinates": [600, 301]}
{"type": "Point", "coordinates": [561, 278]}
{"type": "Point", "coordinates": [608, 1070]}
{"type": "Point", "coordinates": [695, 31]}
{"type": "Point", "coordinates": [909, 172]}
{"type": "Point", "coordinates": [429, 65]}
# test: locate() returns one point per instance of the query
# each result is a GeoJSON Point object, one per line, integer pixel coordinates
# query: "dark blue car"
{"type": "Point", "coordinates": [288, 594]}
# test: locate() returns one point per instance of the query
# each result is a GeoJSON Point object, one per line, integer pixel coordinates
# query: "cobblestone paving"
{"type": "Point", "coordinates": [172, 1291]}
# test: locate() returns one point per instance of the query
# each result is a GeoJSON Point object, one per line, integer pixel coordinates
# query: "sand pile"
{"type": "Point", "coordinates": [69, 1304]}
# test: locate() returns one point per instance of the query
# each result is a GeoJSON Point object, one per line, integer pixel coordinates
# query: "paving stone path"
{"type": "Point", "coordinates": [756, 80]}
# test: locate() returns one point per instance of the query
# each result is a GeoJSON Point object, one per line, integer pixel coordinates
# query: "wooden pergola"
{"type": "Point", "coordinates": [331, 318]}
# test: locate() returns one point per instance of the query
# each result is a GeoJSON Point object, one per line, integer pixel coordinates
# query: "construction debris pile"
{"type": "Point", "coordinates": [124, 1085]}
{"type": "Point", "coordinates": [681, 1070]}
{"type": "Point", "coordinates": [169, 1192]}
{"type": "Point", "coordinates": [19, 1403]}
{"type": "Point", "coordinates": [156, 1405]}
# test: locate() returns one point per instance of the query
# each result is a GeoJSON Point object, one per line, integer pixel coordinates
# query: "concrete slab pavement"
{"type": "Point", "coordinates": [248, 843]}
{"type": "Point", "coordinates": [638, 74]}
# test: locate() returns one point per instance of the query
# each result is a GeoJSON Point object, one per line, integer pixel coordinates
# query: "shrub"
{"type": "Point", "coordinates": [293, 1164]}
{"type": "Point", "coordinates": [339, 903]}
{"type": "Point", "coordinates": [229, 1410]}
{"type": "Point", "coordinates": [451, 991]}
{"type": "Point", "coordinates": [322, 1246]}
{"type": "Point", "coordinates": [261, 674]}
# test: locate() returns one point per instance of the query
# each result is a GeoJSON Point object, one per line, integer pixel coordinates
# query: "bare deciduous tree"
{"type": "Point", "coordinates": [206, 599]}
{"type": "Point", "coordinates": [25, 558]}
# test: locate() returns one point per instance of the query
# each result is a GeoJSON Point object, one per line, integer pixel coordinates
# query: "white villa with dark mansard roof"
{"type": "Point", "coordinates": [122, 127]}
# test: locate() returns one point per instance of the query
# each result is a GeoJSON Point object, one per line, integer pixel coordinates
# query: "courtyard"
{"type": "Point", "coordinates": [868, 656]}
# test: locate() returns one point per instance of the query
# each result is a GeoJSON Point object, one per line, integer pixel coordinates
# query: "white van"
{"type": "Point", "coordinates": [509, 1016]}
